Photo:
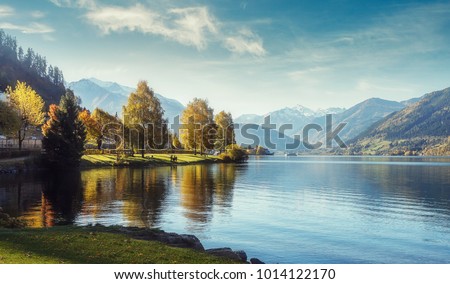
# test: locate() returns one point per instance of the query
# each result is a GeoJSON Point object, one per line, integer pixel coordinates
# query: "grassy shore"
{"type": "Point", "coordinates": [90, 245]}
{"type": "Point", "coordinates": [148, 160]}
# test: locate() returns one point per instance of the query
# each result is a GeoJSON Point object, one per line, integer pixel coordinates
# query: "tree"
{"type": "Point", "coordinates": [198, 128]}
{"type": "Point", "coordinates": [100, 125]}
{"type": "Point", "coordinates": [29, 106]}
{"type": "Point", "coordinates": [175, 141]}
{"type": "Point", "coordinates": [93, 130]}
{"type": "Point", "coordinates": [110, 126]}
{"type": "Point", "coordinates": [20, 54]}
{"type": "Point", "coordinates": [225, 129]}
{"type": "Point", "coordinates": [64, 132]}
{"type": "Point", "coordinates": [144, 118]}
{"type": "Point", "coordinates": [9, 119]}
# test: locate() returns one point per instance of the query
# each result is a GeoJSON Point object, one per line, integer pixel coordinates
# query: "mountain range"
{"type": "Point", "coordinates": [111, 96]}
{"type": "Point", "coordinates": [371, 124]}
{"type": "Point", "coordinates": [357, 118]}
{"type": "Point", "coordinates": [420, 128]}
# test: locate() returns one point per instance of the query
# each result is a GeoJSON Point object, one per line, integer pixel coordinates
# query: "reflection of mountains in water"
{"type": "Point", "coordinates": [386, 182]}
{"type": "Point", "coordinates": [131, 197]}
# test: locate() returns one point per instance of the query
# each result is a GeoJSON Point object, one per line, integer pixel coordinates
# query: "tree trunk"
{"type": "Point", "coordinates": [20, 139]}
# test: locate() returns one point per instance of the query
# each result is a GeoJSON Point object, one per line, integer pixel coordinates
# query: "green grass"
{"type": "Point", "coordinates": [89, 245]}
{"type": "Point", "coordinates": [137, 160]}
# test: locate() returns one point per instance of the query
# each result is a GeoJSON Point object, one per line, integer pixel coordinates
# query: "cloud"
{"type": "Point", "coordinates": [6, 11]}
{"type": "Point", "coordinates": [390, 40]}
{"type": "Point", "coordinates": [37, 14]}
{"type": "Point", "coordinates": [89, 4]}
{"type": "Point", "coordinates": [61, 3]}
{"type": "Point", "coordinates": [192, 25]}
{"type": "Point", "coordinates": [245, 42]}
{"type": "Point", "coordinates": [188, 26]}
{"type": "Point", "coordinates": [33, 28]}
{"type": "Point", "coordinates": [305, 73]}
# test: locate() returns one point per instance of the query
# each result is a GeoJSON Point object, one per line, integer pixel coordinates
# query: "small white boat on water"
{"type": "Point", "coordinates": [290, 154]}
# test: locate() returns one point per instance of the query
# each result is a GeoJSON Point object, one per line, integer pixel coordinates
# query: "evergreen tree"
{"type": "Point", "coordinates": [64, 133]}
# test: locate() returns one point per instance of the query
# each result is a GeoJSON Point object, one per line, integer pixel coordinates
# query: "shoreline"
{"type": "Point", "coordinates": [19, 239]}
{"type": "Point", "coordinates": [93, 161]}
{"type": "Point", "coordinates": [149, 160]}
{"type": "Point", "coordinates": [101, 245]}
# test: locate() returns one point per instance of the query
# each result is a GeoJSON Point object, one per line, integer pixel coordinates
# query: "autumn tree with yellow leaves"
{"type": "Point", "coordinates": [101, 125]}
{"type": "Point", "coordinates": [144, 118]}
{"type": "Point", "coordinates": [198, 130]}
{"type": "Point", "coordinates": [29, 106]}
{"type": "Point", "coordinates": [225, 130]}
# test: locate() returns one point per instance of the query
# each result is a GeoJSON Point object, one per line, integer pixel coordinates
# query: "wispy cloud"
{"type": "Point", "coordinates": [32, 28]}
{"type": "Point", "coordinates": [245, 42]}
{"type": "Point", "coordinates": [390, 39]}
{"type": "Point", "coordinates": [192, 26]}
{"type": "Point", "coordinates": [305, 73]}
{"type": "Point", "coordinates": [37, 14]}
{"type": "Point", "coordinates": [6, 11]}
{"type": "Point", "coordinates": [74, 3]}
{"type": "Point", "coordinates": [188, 26]}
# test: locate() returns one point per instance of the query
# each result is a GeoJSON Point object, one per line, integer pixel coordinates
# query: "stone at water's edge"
{"type": "Point", "coordinates": [172, 239]}
{"type": "Point", "coordinates": [242, 254]}
{"type": "Point", "coordinates": [228, 253]}
{"type": "Point", "coordinates": [256, 261]}
{"type": "Point", "coordinates": [182, 241]}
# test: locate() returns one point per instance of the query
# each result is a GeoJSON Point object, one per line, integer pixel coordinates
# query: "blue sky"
{"type": "Point", "coordinates": [245, 56]}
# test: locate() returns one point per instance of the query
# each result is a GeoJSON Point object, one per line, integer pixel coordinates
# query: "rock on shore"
{"type": "Point", "coordinates": [179, 240]}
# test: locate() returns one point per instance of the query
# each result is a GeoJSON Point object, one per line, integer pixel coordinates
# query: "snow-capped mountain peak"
{"type": "Point", "coordinates": [304, 110]}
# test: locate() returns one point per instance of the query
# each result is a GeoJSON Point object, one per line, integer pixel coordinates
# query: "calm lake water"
{"type": "Point", "coordinates": [279, 209]}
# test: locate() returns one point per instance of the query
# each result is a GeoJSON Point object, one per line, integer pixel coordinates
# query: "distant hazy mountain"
{"type": "Point", "coordinates": [249, 118]}
{"type": "Point", "coordinates": [411, 101]}
{"type": "Point", "coordinates": [332, 110]}
{"type": "Point", "coordinates": [429, 117]}
{"type": "Point", "coordinates": [358, 117]}
{"type": "Point", "coordinates": [111, 96]}
{"type": "Point", "coordinates": [297, 116]}
{"type": "Point", "coordinates": [362, 116]}
{"type": "Point", "coordinates": [288, 114]}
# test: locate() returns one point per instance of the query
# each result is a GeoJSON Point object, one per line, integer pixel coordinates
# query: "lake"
{"type": "Point", "coordinates": [280, 209]}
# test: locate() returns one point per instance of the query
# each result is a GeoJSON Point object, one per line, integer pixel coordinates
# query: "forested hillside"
{"type": "Point", "coordinates": [31, 67]}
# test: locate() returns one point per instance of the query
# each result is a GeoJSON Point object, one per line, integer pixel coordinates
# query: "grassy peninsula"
{"type": "Point", "coordinates": [99, 160]}
{"type": "Point", "coordinates": [91, 245]}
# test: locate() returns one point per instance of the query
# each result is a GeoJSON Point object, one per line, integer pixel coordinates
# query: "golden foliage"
{"type": "Point", "coordinates": [28, 104]}
{"type": "Point", "coordinates": [196, 117]}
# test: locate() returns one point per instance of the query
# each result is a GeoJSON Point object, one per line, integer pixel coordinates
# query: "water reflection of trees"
{"type": "Point", "coordinates": [140, 193]}
{"type": "Point", "coordinates": [133, 197]}
{"type": "Point", "coordinates": [146, 189]}
{"type": "Point", "coordinates": [43, 199]}
{"type": "Point", "coordinates": [62, 198]}
{"type": "Point", "coordinates": [202, 187]}
{"type": "Point", "coordinates": [20, 193]}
